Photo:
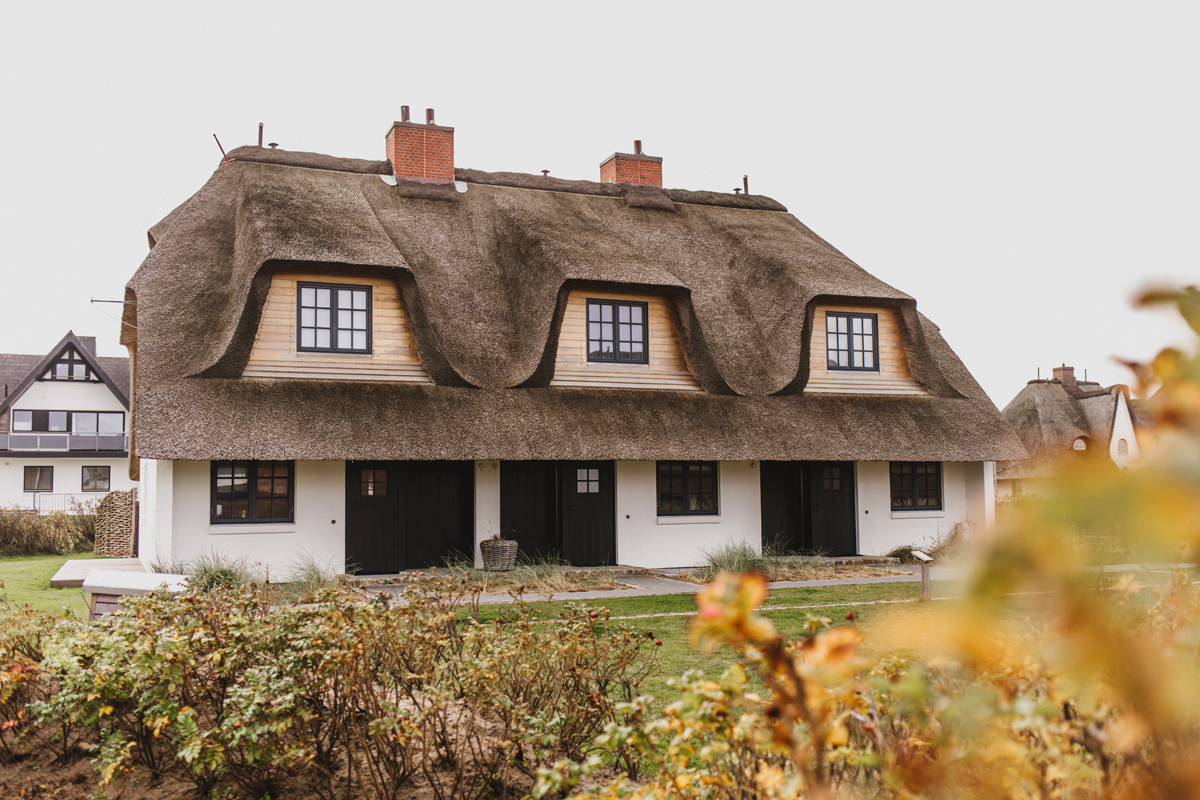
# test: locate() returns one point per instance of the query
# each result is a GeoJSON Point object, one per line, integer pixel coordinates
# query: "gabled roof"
{"type": "Point", "coordinates": [484, 274]}
{"type": "Point", "coordinates": [19, 372]}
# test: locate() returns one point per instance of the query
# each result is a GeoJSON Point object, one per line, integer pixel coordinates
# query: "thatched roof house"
{"type": "Point", "coordinates": [481, 286]}
{"type": "Point", "coordinates": [1066, 425]}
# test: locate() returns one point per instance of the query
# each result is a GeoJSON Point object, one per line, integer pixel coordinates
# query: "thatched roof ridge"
{"type": "Point", "coordinates": [484, 280]}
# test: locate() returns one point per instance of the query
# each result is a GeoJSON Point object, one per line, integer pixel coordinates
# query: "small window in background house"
{"type": "Point", "coordinates": [1122, 447]}
{"type": "Point", "coordinates": [1017, 487]}
{"type": "Point", "coordinates": [1080, 444]}
{"type": "Point", "coordinates": [96, 479]}
{"type": "Point", "coordinates": [22, 420]}
{"type": "Point", "coordinates": [39, 479]}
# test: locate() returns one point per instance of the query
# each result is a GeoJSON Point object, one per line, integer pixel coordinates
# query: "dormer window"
{"type": "Point", "coordinates": [1080, 444]}
{"type": "Point", "coordinates": [617, 331]}
{"type": "Point", "coordinates": [851, 341]}
{"type": "Point", "coordinates": [1122, 447]}
{"type": "Point", "coordinates": [69, 366]}
{"type": "Point", "coordinates": [334, 318]}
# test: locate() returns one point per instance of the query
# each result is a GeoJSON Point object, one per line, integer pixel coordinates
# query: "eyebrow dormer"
{"type": "Point", "coordinates": [621, 340]}
{"type": "Point", "coordinates": [856, 349]}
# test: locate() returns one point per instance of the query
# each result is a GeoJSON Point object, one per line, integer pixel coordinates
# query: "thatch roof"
{"type": "Point", "coordinates": [485, 274]}
{"type": "Point", "coordinates": [1048, 416]}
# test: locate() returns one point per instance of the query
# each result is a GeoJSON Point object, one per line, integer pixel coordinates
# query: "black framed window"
{"type": "Point", "coordinates": [334, 318]}
{"type": "Point", "coordinates": [916, 486]}
{"type": "Point", "coordinates": [39, 479]}
{"type": "Point", "coordinates": [69, 366]}
{"type": "Point", "coordinates": [687, 488]}
{"type": "Point", "coordinates": [374, 482]}
{"type": "Point", "coordinates": [252, 491]}
{"type": "Point", "coordinates": [96, 479]}
{"type": "Point", "coordinates": [617, 331]}
{"type": "Point", "coordinates": [852, 341]}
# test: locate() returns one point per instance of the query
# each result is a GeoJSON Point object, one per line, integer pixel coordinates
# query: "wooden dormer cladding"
{"type": "Point", "coordinates": [393, 355]}
{"type": "Point", "coordinates": [666, 368]}
{"type": "Point", "coordinates": [892, 377]}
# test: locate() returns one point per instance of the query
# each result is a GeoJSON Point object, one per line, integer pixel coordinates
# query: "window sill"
{"type": "Point", "coordinates": [287, 527]}
{"type": "Point", "coordinates": [693, 519]}
{"type": "Point", "coordinates": [931, 514]}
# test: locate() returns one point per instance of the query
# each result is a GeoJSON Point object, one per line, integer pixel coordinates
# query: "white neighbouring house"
{"type": "Point", "coordinates": [63, 426]}
{"type": "Point", "coordinates": [379, 363]}
{"type": "Point", "coordinates": [1066, 425]}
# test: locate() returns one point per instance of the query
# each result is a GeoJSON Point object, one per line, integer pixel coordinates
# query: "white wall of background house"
{"type": "Point", "coordinates": [1123, 431]}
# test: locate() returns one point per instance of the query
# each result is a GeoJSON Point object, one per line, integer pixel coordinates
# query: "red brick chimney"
{"type": "Point", "coordinates": [422, 153]}
{"type": "Point", "coordinates": [635, 167]}
{"type": "Point", "coordinates": [1065, 375]}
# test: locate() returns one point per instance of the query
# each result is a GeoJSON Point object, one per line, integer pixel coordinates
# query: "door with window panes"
{"type": "Point", "coordinates": [374, 524]}
{"type": "Point", "coordinates": [830, 500]}
{"type": "Point", "coordinates": [589, 513]}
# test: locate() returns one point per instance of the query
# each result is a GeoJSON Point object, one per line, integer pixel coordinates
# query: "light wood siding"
{"type": "Point", "coordinates": [393, 355]}
{"type": "Point", "coordinates": [893, 376]}
{"type": "Point", "coordinates": [666, 370]}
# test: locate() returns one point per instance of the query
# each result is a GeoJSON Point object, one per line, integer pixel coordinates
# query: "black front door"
{"type": "Point", "coordinates": [589, 512]}
{"type": "Point", "coordinates": [408, 514]}
{"type": "Point", "coordinates": [374, 527]}
{"type": "Point", "coordinates": [529, 507]}
{"type": "Point", "coordinates": [781, 495]}
{"type": "Point", "coordinates": [829, 489]}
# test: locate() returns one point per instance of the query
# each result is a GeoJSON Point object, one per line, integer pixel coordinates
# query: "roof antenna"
{"type": "Point", "coordinates": [227, 158]}
{"type": "Point", "coordinates": [260, 136]}
{"type": "Point", "coordinates": [745, 184]}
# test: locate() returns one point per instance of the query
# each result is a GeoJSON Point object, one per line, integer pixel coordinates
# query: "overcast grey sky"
{"type": "Point", "coordinates": [1021, 168]}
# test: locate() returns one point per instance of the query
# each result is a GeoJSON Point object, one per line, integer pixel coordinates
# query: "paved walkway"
{"type": "Point", "coordinates": [652, 585]}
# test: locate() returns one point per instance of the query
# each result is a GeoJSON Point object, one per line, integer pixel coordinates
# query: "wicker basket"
{"type": "Point", "coordinates": [499, 555]}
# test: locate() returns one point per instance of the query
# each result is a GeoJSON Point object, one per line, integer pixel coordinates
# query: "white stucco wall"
{"type": "Point", "coordinates": [318, 531]}
{"type": "Point", "coordinates": [69, 396]}
{"type": "Point", "coordinates": [487, 503]}
{"type": "Point", "coordinates": [68, 477]}
{"type": "Point", "coordinates": [967, 495]}
{"type": "Point", "coordinates": [1123, 429]}
{"type": "Point", "coordinates": [646, 540]}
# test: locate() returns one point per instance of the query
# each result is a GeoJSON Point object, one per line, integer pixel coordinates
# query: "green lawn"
{"type": "Point", "coordinates": [676, 611]}
{"type": "Point", "coordinates": [26, 580]}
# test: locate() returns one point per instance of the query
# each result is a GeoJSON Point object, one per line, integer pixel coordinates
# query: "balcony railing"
{"type": "Point", "coordinates": [63, 442]}
{"type": "Point", "coordinates": [67, 502]}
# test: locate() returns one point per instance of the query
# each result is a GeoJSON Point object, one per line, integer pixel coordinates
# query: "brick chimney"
{"type": "Point", "coordinates": [422, 153]}
{"type": "Point", "coordinates": [635, 167]}
{"type": "Point", "coordinates": [1065, 375]}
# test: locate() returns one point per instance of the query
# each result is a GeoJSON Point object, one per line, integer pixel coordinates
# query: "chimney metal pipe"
{"type": "Point", "coordinates": [260, 135]}
{"type": "Point", "coordinates": [429, 116]}
{"type": "Point", "coordinates": [637, 147]}
{"type": "Point", "coordinates": [745, 184]}
{"type": "Point", "coordinates": [404, 113]}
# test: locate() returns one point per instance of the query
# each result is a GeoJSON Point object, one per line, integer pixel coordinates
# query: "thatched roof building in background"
{"type": "Point", "coordinates": [1050, 416]}
{"type": "Point", "coordinates": [484, 266]}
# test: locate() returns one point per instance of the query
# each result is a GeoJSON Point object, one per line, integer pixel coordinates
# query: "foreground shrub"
{"type": "Point", "coordinates": [24, 533]}
{"type": "Point", "coordinates": [1100, 699]}
{"type": "Point", "coordinates": [225, 690]}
